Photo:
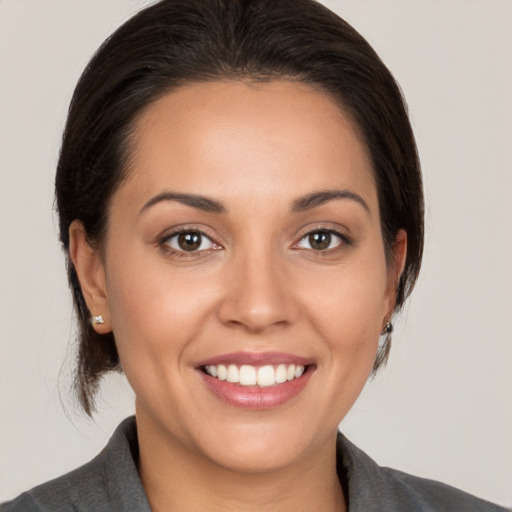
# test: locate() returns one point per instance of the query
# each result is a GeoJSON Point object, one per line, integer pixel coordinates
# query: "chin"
{"type": "Point", "coordinates": [259, 447]}
{"type": "Point", "coordinates": [258, 455]}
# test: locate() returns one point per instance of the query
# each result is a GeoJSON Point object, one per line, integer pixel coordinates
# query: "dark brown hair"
{"type": "Point", "coordinates": [175, 42]}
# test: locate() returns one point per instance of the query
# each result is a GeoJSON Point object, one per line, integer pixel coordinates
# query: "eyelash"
{"type": "Point", "coordinates": [344, 241]}
{"type": "Point", "coordinates": [163, 243]}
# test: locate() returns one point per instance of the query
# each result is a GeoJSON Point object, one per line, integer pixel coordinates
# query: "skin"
{"type": "Point", "coordinates": [259, 286]}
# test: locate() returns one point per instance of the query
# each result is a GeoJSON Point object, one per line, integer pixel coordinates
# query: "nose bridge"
{"type": "Point", "coordinates": [256, 296]}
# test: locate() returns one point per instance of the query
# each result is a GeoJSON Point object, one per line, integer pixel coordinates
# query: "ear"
{"type": "Point", "coordinates": [91, 274]}
{"type": "Point", "coordinates": [395, 268]}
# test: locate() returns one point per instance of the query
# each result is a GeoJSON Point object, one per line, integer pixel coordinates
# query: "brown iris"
{"type": "Point", "coordinates": [189, 241]}
{"type": "Point", "coordinates": [320, 240]}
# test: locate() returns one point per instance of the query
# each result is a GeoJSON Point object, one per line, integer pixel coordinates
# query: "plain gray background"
{"type": "Point", "coordinates": [443, 407]}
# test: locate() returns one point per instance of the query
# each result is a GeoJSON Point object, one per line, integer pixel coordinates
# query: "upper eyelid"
{"type": "Point", "coordinates": [326, 226]}
{"type": "Point", "coordinates": [330, 228]}
{"type": "Point", "coordinates": [180, 232]}
{"type": "Point", "coordinates": [163, 243]}
{"type": "Point", "coordinates": [170, 233]}
{"type": "Point", "coordinates": [341, 236]}
{"type": "Point", "coordinates": [345, 240]}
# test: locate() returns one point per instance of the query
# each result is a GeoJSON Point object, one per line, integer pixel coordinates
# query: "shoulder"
{"type": "Point", "coordinates": [372, 488]}
{"type": "Point", "coordinates": [108, 482]}
{"type": "Point", "coordinates": [432, 495]}
{"type": "Point", "coordinates": [61, 494]}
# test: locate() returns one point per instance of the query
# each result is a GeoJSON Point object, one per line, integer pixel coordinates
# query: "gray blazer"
{"type": "Point", "coordinates": [110, 482]}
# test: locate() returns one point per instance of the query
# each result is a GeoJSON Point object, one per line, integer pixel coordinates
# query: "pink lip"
{"type": "Point", "coordinates": [255, 397]}
{"type": "Point", "coordinates": [256, 359]}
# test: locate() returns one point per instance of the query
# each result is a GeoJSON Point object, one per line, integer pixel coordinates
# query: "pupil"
{"type": "Point", "coordinates": [320, 240]}
{"type": "Point", "coordinates": [189, 241]}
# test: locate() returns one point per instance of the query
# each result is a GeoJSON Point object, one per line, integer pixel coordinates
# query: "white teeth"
{"type": "Point", "coordinates": [248, 375]}
{"type": "Point", "coordinates": [233, 374]}
{"type": "Point", "coordinates": [222, 372]}
{"type": "Point", "coordinates": [266, 376]}
{"type": "Point", "coordinates": [281, 374]}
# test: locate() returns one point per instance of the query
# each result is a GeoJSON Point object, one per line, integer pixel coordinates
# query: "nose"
{"type": "Point", "coordinates": [258, 295]}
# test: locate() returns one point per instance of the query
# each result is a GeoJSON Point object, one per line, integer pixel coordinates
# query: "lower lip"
{"type": "Point", "coordinates": [255, 397]}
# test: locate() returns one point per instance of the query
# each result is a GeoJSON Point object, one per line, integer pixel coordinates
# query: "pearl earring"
{"type": "Point", "coordinates": [98, 320]}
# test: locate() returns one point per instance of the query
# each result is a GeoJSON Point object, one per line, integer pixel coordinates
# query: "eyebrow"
{"type": "Point", "coordinates": [301, 204]}
{"type": "Point", "coordinates": [318, 198]}
{"type": "Point", "coordinates": [193, 200]}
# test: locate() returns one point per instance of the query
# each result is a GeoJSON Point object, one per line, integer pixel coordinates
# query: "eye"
{"type": "Point", "coordinates": [321, 240]}
{"type": "Point", "coordinates": [189, 241]}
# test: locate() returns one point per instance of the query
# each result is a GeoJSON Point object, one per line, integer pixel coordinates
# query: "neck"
{"type": "Point", "coordinates": [176, 478]}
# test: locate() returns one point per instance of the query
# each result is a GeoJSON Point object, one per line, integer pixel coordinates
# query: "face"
{"type": "Point", "coordinates": [243, 272]}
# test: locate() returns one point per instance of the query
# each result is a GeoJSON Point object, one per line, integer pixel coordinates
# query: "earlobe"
{"type": "Point", "coordinates": [91, 274]}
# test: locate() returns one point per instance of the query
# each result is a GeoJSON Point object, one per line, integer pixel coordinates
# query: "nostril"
{"type": "Point", "coordinates": [257, 297]}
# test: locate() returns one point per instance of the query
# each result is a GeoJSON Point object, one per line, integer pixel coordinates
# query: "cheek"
{"type": "Point", "coordinates": [351, 299]}
{"type": "Point", "coordinates": [347, 310]}
{"type": "Point", "coordinates": [156, 311]}
{"type": "Point", "coordinates": [150, 329]}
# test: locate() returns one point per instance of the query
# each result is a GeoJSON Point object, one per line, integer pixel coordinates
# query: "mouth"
{"type": "Point", "coordinates": [256, 381]}
{"type": "Point", "coordinates": [248, 375]}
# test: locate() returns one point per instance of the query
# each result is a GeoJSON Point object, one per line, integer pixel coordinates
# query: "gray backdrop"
{"type": "Point", "coordinates": [443, 407]}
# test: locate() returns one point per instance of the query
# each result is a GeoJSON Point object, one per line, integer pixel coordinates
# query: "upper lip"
{"type": "Point", "coordinates": [256, 359]}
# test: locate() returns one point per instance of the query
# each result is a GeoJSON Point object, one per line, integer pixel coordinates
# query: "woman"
{"type": "Point", "coordinates": [240, 201]}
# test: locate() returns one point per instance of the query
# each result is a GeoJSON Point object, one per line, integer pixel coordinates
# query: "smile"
{"type": "Point", "coordinates": [248, 375]}
{"type": "Point", "coordinates": [256, 381]}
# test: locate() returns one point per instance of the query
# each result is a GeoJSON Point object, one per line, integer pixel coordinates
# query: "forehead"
{"type": "Point", "coordinates": [252, 140]}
